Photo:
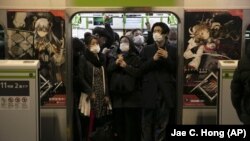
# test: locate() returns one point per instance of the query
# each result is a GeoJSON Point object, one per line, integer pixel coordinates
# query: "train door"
{"type": "Point", "coordinates": [122, 22]}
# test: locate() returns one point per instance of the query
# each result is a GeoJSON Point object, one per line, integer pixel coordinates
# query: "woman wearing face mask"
{"type": "Point", "coordinates": [138, 39]}
{"type": "Point", "coordinates": [93, 82]}
{"type": "Point", "coordinates": [125, 91]}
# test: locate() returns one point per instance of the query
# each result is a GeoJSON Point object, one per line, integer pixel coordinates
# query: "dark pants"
{"type": "Point", "coordinates": [154, 122]}
{"type": "Point", "coordinates": [127, 124]}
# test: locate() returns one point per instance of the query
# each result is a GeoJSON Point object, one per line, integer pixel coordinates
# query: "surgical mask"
{"type": "Point", "coordinates": [157, 37]}
{"type": "Point", "coordinates": [124, 47]}
{"type": "Point", "coordinates": [139, 40]}
{"type": "Point", "coordinates": [95, 49]}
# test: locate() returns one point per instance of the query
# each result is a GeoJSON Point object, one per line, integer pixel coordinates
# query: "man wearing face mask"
{"type": "Point", "coordinates": [158, 84]}
{"type": "Point", "coordinates": [138, 39]}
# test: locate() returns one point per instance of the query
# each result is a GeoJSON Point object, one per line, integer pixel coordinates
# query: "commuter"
{"type": "Point", "coordinates": [125, 91]}
{"type": "Point", "coordinates": [129, 34]}
{"type": "Point", "coordinates": [138, 39]}
{"type": "Point", "coordinates": [240, 87]}
{"type": "Point", "coordinates": [93, 83]}
{"type": "Point", "coordinates": [158, 84]}
{"type": "Point", "coordinates": [106, 37]}
{"type": "Point", "coordinates": [78, 47]}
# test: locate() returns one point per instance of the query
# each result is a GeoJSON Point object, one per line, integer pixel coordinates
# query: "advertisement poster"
{"type": "Point", "coordinates": [209, 36]}
{"type": "Point", "coordinates": [39, 35]}
{"type": "Point", "coordinates": [124, 3]}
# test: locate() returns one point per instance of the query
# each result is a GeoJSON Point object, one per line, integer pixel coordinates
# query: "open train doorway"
{"type": "Point", "coordinates": [114, 25]}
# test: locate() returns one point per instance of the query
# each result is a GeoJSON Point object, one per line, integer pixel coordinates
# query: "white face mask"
{"type": "Point", "coordinates": [139, 40]}
{"type": "Point", "coordinates": [95, 49]}
{"type": "Point", "coordinates": [124, 47]}
{"type": "Point", "coordinates": [157, 37]}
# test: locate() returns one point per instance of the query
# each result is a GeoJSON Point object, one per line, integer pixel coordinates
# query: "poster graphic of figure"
{"type": "Point", "coordinates": [209, 36]}
{"type": "Point", "coordinates": [39, 35]}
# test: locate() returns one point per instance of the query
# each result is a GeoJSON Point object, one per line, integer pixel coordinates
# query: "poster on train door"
{"type": "Point", "coordinates": [39, 35]}
{"type": "Point", "coordinates": [209, 36]}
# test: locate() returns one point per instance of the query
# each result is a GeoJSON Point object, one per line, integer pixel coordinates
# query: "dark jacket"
{"type": "Point", "coordinates": [125, 82]}
{"type": "Point", "coordinates": [86, 63]}
{"type": "Point", "coordinates": [158, 76]}
{"type": "Point", "coordinates": [240, 89]}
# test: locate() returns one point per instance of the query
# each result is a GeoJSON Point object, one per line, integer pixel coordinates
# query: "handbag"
{"type": "Point", "coordinates": [103, 133]}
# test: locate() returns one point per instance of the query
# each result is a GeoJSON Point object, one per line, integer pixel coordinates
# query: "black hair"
{"type": "Point", "coordinates": [89, 38]}
{"type": "Point", "coordinates": [86, 34]}
{"type": "Point", "coordinates": [132, 48]}
{"type": "Point", "coordinates": [137, 29]}
{"type": "Point", "coordinates": [165, 28]}
{"type": "Point", "coordinates": [100, 31]}
{"type": "Point", "coordinates": [103, 32]}
{"type": "Point", "coordinates": [77, 44]}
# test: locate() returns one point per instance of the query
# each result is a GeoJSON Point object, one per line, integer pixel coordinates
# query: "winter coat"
{"type": "Point", "coordinates": [240, 90]}
{"type": "Point", "coordinates": [124, 83]}
{"type": "Point", "coordinates": [240, 87]}
{"type": "Point", "coordinates": [158, 76]}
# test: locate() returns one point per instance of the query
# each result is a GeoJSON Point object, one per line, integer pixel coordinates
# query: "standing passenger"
{"type": "Point", "coordinates": [138, 39]}
{"type": "Point", "coordinates": [93, 82]}
{"type": "Point", "coordinates": [125, 92]}
{"type": "Point", "coordinates": [158, 84]}
{"type": "Point", "coordinates": [77, 46]}
{"type": "Point", "coordinates": [240, 87]}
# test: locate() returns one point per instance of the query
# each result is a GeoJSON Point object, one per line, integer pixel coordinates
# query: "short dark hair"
{"type": "Point", "coordinates": [137, 29]}
{"type": "Point", "coordinates": [89, 38]}
{"type": "Point", "coordinates": [165, 28]}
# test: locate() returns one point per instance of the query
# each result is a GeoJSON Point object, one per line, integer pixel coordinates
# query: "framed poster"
{"type": "Point", "coordinates": [39, 35]}
{"type": "Point", "coordinates": [209, 36]}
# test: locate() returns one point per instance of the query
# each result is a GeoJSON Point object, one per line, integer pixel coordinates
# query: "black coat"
{"type": "Point", "coordinates": [124, 84]}
{"type": "Point", "coordinates": [158, 76]}
{"type": "Point", "coordinates": [240, 90]}
{"type": "Point", "coordinates": [86, 63]}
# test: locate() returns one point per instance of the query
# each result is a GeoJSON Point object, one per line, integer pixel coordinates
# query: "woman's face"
{"type": "Point", "coordinates": [124, 40]}
{"type": "Point", "coordinates": [94, 46]}
{"type": "Point", "coordinates": [93, 43]}
{"type": "Point", "coordinates": [124, 44]}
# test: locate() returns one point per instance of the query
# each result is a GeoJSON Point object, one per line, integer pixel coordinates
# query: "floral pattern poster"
{"type": "Point", "coordinates": [209, 36]}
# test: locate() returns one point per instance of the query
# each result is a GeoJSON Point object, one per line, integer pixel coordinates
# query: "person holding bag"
{"type": "Point", "coordinates": [93, 86]}
{"type": "Point", "coordinates": [125, 91]}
